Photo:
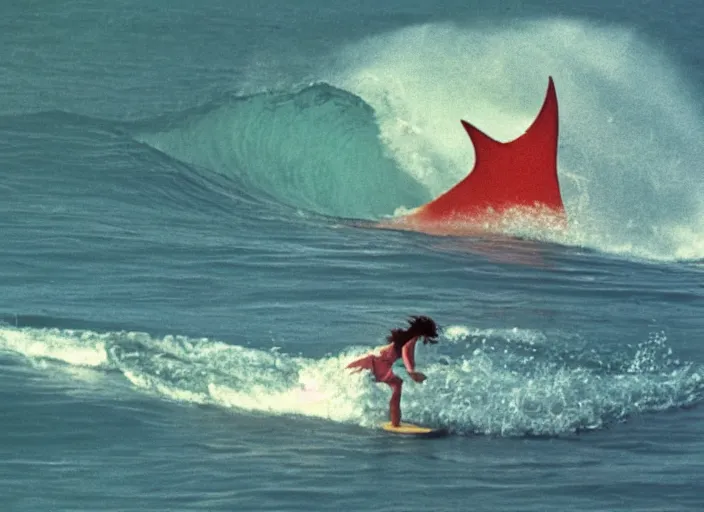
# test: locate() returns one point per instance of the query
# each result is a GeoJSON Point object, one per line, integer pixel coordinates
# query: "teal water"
{"type": "Point", "coordinates": [181, 285]}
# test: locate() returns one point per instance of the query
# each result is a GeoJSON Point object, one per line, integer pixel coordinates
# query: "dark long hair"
{"type": "Point", "coordinates": [418, 326]}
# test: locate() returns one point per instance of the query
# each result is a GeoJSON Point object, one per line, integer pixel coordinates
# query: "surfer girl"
{"type": "Point", "coordinates": [402, 344]}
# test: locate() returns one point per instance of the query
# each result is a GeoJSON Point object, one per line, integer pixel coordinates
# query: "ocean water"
{"type": "Point", "coordinates": [183, 276]}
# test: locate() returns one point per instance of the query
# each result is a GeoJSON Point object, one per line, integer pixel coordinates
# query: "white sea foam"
{"type": "Point", "coordinates": [630, 126]}
{"type": "Point", "coordinates": [77, 348]}
{"type": "Point", "coordinates": [491, 381]}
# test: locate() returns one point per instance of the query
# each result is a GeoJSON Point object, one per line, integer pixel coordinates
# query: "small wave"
{"type": "Point", "coordinates": [504, 382]}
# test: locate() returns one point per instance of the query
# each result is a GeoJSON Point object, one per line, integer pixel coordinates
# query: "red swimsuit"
{"type": "Point", "coordinates": [382, 367]}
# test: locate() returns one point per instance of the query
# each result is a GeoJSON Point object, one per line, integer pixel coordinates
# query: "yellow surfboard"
{"type": "Point", "coordinates": [409, 429]}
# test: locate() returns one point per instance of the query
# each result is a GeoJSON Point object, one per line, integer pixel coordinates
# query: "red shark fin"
{"type": "Point", "coordinates": [519, 173]}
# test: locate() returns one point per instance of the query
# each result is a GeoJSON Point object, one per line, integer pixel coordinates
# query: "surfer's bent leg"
{"type": "Point", "coordinates": [395, 403]}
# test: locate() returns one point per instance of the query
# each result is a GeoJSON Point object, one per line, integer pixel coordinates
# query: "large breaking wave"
{"type": "Point", "coordinates": [381, 130]}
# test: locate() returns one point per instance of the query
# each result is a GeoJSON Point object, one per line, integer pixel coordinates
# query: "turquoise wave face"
{"type": "Point", "coordinates": [317, 150]}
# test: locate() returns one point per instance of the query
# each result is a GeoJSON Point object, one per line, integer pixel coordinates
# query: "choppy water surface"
{"type": "Point", "coordinates": [183, 280]}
